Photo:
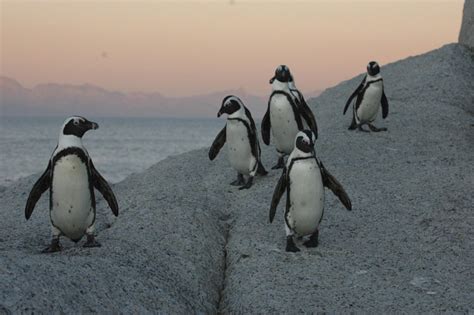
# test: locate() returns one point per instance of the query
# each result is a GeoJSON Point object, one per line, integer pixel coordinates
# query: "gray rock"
{"type": "Point", "coordinates": [164, 252]}
{"type": "Point", "coordinates": [187, 242]}
{"type": "Point", "coordinates": [466, 36]}
{"type": "Point", "coordinates": [408, 244]}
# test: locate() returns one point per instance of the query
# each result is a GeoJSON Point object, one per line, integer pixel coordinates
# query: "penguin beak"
{"type": "Point", "coordinates": [219, 113]}
{"type": "Point", "coordinates": [271, 80]}
{"type": "Point", "coordinates": [94, 125]}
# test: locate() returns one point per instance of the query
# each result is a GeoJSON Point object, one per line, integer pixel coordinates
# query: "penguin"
{"type": "Point", "coordinates": [71, 178]}
{"type": "Point", "coordinates": [370, 95]}
{"type": "Point", "coordinates": [285, 116]}
{"type": "Point", "coordinates": [240, 134]}
{"type": "Point", "coordinates": [304, 178]}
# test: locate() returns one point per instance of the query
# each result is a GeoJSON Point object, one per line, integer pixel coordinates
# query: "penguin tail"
{"type": "Point", "coordinates": [261, 170]}
{"type": "Point", "coordinates": [76, 239]}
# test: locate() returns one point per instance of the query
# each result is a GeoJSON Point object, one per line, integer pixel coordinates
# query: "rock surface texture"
{"type": "Point", "coordinates": [466, 36]}
{"type": "Point", "coordinates": [163, 252]}
{"type": "Point", "coordinates": [186, 241]}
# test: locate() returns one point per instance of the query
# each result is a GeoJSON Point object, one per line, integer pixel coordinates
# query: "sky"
{"type": "Point", "coordinates": [180, 48]}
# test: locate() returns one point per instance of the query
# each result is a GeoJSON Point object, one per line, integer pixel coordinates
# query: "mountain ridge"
{"type": "Point", "coordinates": [57, 99]}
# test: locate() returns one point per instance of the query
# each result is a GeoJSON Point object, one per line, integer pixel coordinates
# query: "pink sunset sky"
{"type": "Point", "coordinates": [183, 48]}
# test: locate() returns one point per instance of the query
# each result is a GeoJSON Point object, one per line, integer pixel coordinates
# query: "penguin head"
{"type": "Point", "coordinates": [282, 74]}
{"type": "Point", "coordinates": [77, 126]}
{"type": "Point", "coordinates": [373, 68]}
{"type": "Point", "coordinates": [305, 141]}
{"type": "Point", "coordinates": [230, 105]}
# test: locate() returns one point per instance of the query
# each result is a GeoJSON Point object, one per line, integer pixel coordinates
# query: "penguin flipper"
{"type": "Point", "coordinates": [41, 185]}
{"type": "Point", "coordinates": [308, 116]}
{"type": "Point", "coordinates": [384, 105]}
{"type": "Point", "coordinates": [266, 125]}
{"type": "Point", "coordinates": [217, 144]}
{"type": "Point", "coordinates": [252, 122]}
{"type": "Point", "coordinates": [332, 183]}
{"type": "Point", "coordinates": [254, 143]}
{"type": "Point", "coordinates": [300, 95]}
{"type": "Point", "coordinates": [103, 187]}
{"type": "Point", "coordinates": [279, 190]}
{"type": "Point", "coordinates": [356, 92]}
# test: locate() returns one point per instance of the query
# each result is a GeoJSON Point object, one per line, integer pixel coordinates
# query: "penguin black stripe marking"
{"type": "Point", "coordinates": [288, 189]}
{"type": "Point", "coordinates": [71, 151]}
{"type": "Point", "coordinates": [294, 107]}
{"type": "Point", "coordinates": [85, 160]}
{"type": "Point", "coordinates": [250, 135]}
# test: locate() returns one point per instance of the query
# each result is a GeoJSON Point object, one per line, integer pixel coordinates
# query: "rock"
{"type": "Point", "coordinates": [429, 126]}
{"type": "Point", "coordinates": [163, 252]}
{"type": "Point", "coordinates": [187, 242]}
{"type": "Point", "coordinates": [466, 36]}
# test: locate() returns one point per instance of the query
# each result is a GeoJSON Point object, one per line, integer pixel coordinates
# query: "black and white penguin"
{"type": "Point", "coordinates": [71, 178]}
{"type": "Point", "coordinates": [370, 95]}
{"type": "Point", "coordinates": [285, 116]}
{"type": "Point", "coordinates": [304, 179]}
{"type": "Point", "coordinates": [240, 134]}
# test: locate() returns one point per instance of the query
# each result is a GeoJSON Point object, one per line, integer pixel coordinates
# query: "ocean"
{"type": "Point", "coordinates": [120, 147]}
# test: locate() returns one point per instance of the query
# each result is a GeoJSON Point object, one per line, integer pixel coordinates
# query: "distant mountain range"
{"type": "Point", "coordinates": [89, 100]}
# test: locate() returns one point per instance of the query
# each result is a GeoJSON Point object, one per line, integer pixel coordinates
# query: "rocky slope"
{"type": "Point", "coordinates": [164, 251]}
{"type": "Point", "coordinates": [186, 241]}
{"type": "Point", "coordinates": [407, 245]}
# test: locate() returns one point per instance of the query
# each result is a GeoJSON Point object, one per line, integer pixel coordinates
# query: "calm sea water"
{"type": "Point", "coordinates": [119, 147]}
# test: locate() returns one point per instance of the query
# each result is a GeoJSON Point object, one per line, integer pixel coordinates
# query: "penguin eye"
{"type": "Point", "coordinates": [76, 122]}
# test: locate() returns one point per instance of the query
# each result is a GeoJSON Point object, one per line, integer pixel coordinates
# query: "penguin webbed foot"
{"type": "Point", "coordinates": [375, 129]}
{"type": "Point", "coordinates": [290, 245]}
{"type": "Point", "coordinates": [91, 241]}
{"type": "Point", "coordinates": [261, 170]}
{"type": "Point", "coordinates": [313, 240]}
{"type": "Point", "coordinates": [53, 247]}
{"type": "Point", "coordinates": [359, 127]}
{"type": "Point", "coordinates": [248, 184]}
{"type": "Point", "coordinates": [239, 181]}
{"type": "Point", "coordinates": [280, 163]}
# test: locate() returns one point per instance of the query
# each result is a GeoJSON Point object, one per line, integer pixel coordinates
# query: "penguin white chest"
{"type": "Point", "coordinates": [239, 147]}
{"type": "Point", "coordinates": [369, 107]}
{"type": "Point", "coordinates": [71, 210]}
{"type": "Point", "coordinates": [306, 197]}
{"type": "Point", "coordinates": [283, 122]}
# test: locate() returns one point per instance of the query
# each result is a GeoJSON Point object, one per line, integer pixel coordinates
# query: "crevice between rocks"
{"type": "Point", "coordinates": [220, 306]}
